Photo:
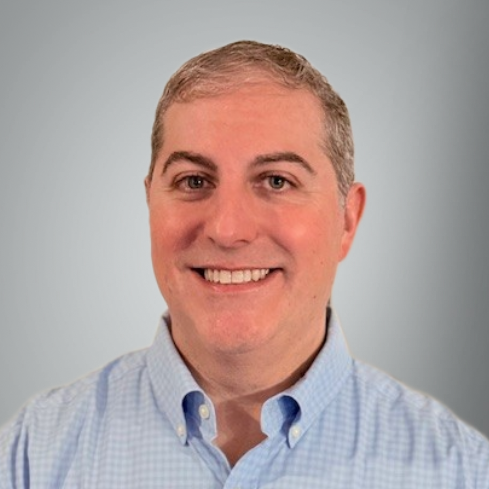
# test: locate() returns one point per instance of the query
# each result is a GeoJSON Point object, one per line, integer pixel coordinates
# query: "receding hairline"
{"type": "Point", "coordinates": [270, 86]}
{"type": "Point", "coordinates": [251, 77]}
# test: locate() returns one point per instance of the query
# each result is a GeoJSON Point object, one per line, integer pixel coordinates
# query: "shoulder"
{"type": "Point", "coordinates": [96, 387]}
{"type": "Point", "coordinates": [392, 396]}
{"type": "Point", "coordinates": [54, 422]}
{"type": "Point", "coordinates": [412, 425]}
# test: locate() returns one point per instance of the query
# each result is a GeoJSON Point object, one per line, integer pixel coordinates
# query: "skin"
{"type": "Point", "coordinates": [242, 182]}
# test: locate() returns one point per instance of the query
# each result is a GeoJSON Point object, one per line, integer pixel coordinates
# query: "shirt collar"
{"type": "Point", "coordinates": [176, 391]}
{"type": "Point", "coordinates": [319, 386]}
{"type": "Point", "coordinates": [292, 411]}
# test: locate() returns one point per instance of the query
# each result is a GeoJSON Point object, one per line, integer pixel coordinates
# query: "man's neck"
{"type": "Point", "coordinates": [254, 374]}
{"type": "Point", "coordinates": [238, 388]}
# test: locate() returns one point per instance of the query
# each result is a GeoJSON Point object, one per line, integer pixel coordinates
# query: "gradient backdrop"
{"type": "Point", "coordinates": [78, 88]}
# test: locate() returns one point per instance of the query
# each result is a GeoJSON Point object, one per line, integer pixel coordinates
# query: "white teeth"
{"type": "Point", "coordinates": [236, 276]}
{"type": "Point", "coordinates": [225, 277]}
{"type": "Point", "coordinates": [255, 275]}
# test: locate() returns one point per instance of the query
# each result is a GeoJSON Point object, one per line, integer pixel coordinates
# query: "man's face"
{"type": "Point", "coordinates": [246, 223]}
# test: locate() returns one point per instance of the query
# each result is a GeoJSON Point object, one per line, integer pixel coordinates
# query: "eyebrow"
{"type": "Point", "coordinates": [195, 158]}
{"type": "Point", "coordinates": [201, 160]}
{"type": "Point", "coordinates": [288, 156]}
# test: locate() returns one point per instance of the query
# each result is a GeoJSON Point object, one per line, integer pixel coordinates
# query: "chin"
{"type": "Point", "coordinates": [232, 334]}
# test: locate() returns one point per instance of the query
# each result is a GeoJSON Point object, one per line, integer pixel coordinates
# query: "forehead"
{"type": "Point", "coordinates": [255, 114]}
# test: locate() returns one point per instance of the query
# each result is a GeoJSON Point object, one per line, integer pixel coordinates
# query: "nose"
{"type": "Point", "coordinates": [232, 220]}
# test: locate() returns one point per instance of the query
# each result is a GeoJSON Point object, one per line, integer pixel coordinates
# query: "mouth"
{"type": "Point", "coordinates": [233, 277]}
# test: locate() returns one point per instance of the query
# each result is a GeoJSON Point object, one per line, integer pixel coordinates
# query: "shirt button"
{"type": "Point", "coordinates": [204, 411]}
{"type": "Point", "coordinates": [181, 430]}
{"type": "Point", "coordinates": [295, 431]}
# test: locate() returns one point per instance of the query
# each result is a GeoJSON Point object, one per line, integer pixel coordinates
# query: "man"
{"type": "Point", "coordinates": [252, 205]}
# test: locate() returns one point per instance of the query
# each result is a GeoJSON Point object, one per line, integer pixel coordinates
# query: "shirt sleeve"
{"type": "Point", "coordinates": [14, 468]}
{"type": "Point", "coordinates": [479, 462]}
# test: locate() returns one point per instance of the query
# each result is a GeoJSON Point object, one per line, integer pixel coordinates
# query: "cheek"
{"type": "Point", "coordinates": [171, 231]}
{"type": "Point", "coordinates": [168, 238]}
{"type": "Point", "coordinates": [312, 235]}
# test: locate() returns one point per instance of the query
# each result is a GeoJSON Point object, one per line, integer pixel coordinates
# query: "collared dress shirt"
{"type": "Point", "coordinates": [142, 422]}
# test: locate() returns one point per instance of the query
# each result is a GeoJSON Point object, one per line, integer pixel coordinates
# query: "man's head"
{"type": "Point", "coordinates": [247, 227]}
{"type": "Point", "coordinates": [225, 69]}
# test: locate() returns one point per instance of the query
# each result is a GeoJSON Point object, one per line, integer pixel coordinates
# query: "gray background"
{"type": "Point", "coordinates": [79, 84]}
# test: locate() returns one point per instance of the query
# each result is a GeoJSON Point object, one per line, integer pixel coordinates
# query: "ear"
{"type": "Point", "coordinates": [353, 211]}
{"type": "Point", "coordinates": [147, 186]}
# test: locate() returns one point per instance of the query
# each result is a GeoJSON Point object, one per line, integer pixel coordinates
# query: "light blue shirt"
{"type": "Point", "coordinates": [142, 422]}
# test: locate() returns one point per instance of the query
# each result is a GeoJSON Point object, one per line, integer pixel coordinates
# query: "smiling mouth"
{"type": "Point", "coordinates": [230, 277]}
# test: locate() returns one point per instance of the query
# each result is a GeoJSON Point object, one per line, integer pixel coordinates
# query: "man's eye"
{"type": "Point", "coordinates": [191, 182]}
{"type": "Point", "coordinates": [195, 182]}
{"type": "Point", "coordinates": [277, 182]}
